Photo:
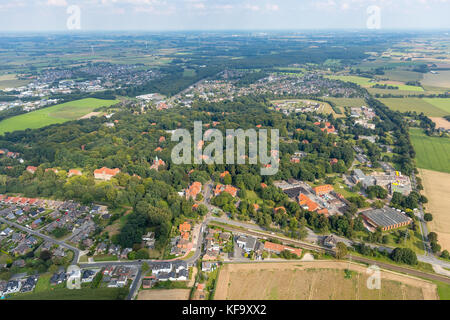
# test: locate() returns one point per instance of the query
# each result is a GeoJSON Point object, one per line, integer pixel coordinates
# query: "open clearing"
{"type": "Point", "coordinates": [59, 113]}
{"type": "Point", "coordinates": [430, 107]}
{"type": "Point", "coordinates": [163, 294]}
{"type": "Point", "coordinates": [318, 280]}
{"type": "Point", "coordinates": [436, 189]}
{"type": "Point", "coordinates": [432, 153]}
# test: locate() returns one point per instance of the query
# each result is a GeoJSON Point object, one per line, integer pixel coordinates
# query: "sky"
{"type": "Point", "coordinates": [162, 15]}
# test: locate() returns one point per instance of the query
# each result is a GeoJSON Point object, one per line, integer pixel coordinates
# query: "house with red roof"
{"type": "Point", "coordinates": [105, 173]}
{"type": "Point", "coordinates": [193, 190]}
{"type": "Point", "coordinates": [278, 248]}
{"type": "Point", "coordinates": [74, 172]}
{"type": "Point", "coordinates": [225, 188]}
{"type": "Point", "coordinates": [31, 169]}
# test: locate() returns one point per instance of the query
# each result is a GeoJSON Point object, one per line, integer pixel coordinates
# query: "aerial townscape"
{"type": "Point", "coordinates": [90, 191]}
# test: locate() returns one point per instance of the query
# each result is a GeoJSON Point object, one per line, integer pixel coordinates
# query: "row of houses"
{"type": "Point", "coordinates": [251, 244]}
{"type": "Point", "coordinates": [21, 285]}
{"type": "Point", "coordinates": [173, 271]}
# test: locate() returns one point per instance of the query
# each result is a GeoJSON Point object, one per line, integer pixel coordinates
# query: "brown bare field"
{"type": "Point", "coordinates": [441, 122]}
{"type": "Point", "coordinates": [436, 188]}
{"type": "Point", "coordinates": [164, 294]}
{"type": "Point", "coordinates": [317, 280]}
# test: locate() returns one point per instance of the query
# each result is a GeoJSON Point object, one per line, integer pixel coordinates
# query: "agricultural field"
{"type": "Point", "coordinates": [432, 153]}
{"type": "Point", "coordinates": [368, 83]}
{"type": "Point", "coordinates": [316, 280]}
{"type": "Point", "coordinates": [164, 294]}
{"type": "Point", "coordinates": [430, 107]}
{"type": "Point", "coordinates": [439, 80]}
{"type": "Point", "coordinates": [403, 75]}
{"type": "Point", "coordinates": [441, 122]}
{"type": "Point", "coordinates": [441, 103]}
{"type": "Point", "coordinates": [347, 102]}
{"type": "Point", "coordinates": [55, 114]}
{"type": "Point", "coordinates": [436, 186]}
{"type": "Point", "coordinates": [11, 81]}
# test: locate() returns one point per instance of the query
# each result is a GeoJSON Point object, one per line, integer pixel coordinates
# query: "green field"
{"type": "Point", "coordinates": [66, 294]}
{"type": "Point", "coordinates": [55, 114]}
{"type": "Point", "coordinates": [443, 290]}
{"type": "Point", "coordinates": [403, 75]}
{"type": "Point", "coordinates": [432, 153]}
{"type": "Point", "coordinates": [441, 103]}
{"type": "Point", "coordinates": [346, 102]}
{"type": "Point", "coordinates": [366, 82]}
{"type": "Point", "coordinates": [432, 107]}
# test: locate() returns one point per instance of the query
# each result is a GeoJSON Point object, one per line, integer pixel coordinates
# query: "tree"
{"type": "Point", "coordinates": [445, 254]}
{"type": "Point", "coordinates": [145, 267]}
{"type": "Point", "coordinates": [341, 250]}
{"type": "Point", "coordinates": [404, 255]}
{"type": "Point", "coordinates": [45, 255]}
{"type": "Point", "coordinates": [435, 247]}
{"type": "Point", "coordinates": [142, 254]}
{"type": "Point", "coordinates": [432, 237]}
{"type": "Point", "coordinates": [428, 217]}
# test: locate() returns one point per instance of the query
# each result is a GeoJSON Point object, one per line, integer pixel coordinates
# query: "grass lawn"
{"type": "Point", "coordinates": [414, 242]}
{"type": "Point", "coordinates": [59, 113]}
{"type": "Point", "coordinates": [67, 294]}
{"type": "Point", "coordinates": [432, 153]}
{"type": "Point", "coordinates": [443, 290]}
{"type": "Point", "coordinates": [105, 257]}
{"type": "Point", "coordinates": [252, 197]}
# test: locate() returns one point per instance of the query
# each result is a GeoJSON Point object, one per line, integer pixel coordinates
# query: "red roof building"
{"type": "Point", "coordinates": [105, 173]}
{"type": "Point", "coordinates": [277, 248]}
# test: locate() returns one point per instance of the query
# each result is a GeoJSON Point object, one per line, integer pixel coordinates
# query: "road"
{"type": "Point", "coordinates": [135, 285]}
{"type": "Point", "coordinates": [76, 251]}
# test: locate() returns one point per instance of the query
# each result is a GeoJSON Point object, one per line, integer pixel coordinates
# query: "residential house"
{"type": "Point", "coordinates": [208, 266]}
{"type": "Point", "coordinates": [246, 243]}
{"type": "Point", "coordinates": [193, 190]}
{"type": "Point", "coordinates": [105, 173]}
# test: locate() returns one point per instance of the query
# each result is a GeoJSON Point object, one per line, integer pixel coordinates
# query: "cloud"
{"type": "Point", "coordinates": [272, 7]}
{"type": "Point", "coordinates": [57, 3]}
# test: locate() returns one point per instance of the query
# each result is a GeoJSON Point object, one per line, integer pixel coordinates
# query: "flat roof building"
{"type": "Point", "coordinates": [386, 218]}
